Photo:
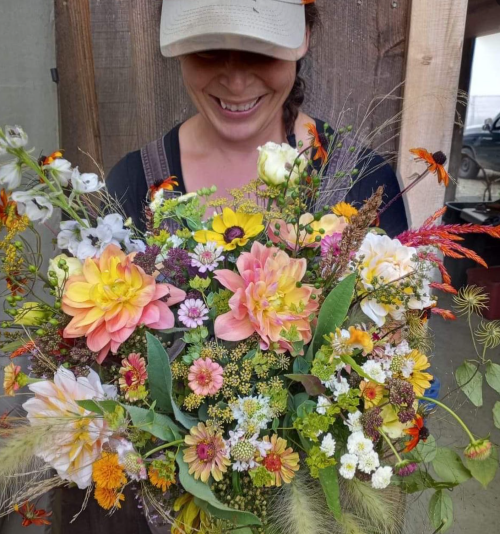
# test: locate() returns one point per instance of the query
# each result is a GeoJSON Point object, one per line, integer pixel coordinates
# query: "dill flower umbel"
{"type": "Point", "coordinates": [280, 460]}
{"type": "Point", "coordinates": [107, 472]}
{"type": "Point", "coordinates": [206, 453]}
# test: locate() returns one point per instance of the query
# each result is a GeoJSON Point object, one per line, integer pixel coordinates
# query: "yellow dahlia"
{"type": "Point", "coordinates": [108, 498]}
{"type": "Point", "coordinates": [206, 454]}
{"type": "Point", "coordinates": [108, 473]}
{"type": "Point", "coordinates": [231, 230]}
{"type": "Point", "coordinates": [280, 461]}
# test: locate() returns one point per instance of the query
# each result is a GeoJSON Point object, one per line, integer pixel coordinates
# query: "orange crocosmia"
{"type": "Point", "coordinates": [32, 516]}
{"type": "Point", "coordinates": [418, 432]}
{"type": "Point", "coordinates": [316, 142]}
{"type": "Point", "coordinates": [435, 163]}
{"type": "Point", "coordinates": [167, 185]}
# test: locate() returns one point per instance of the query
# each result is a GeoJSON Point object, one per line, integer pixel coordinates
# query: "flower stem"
{"type": "Point", "coordinates": [405, 190]}
{"type": "Point", "coordinates": [388, 441]}
{"type": "Point", "coordinates": [164, 446]}
{"type": "Point", "coordinates": [449, 410]}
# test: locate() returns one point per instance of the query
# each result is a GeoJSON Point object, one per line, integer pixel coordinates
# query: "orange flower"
{"type": "Point", "coordinates": [11, 377]}
{"type": "Point", "coordinates": [32, 516]}
{"type": "Point", "coordinates": [108, 498]}
{"type": "Point", "coordinates": [50, 159]}
{"type": "Point", "coordinates": [435, 163]}
{"type": "Point", "coordinates": [167, 185]}
{"type": "Point", "coordinates": [108, 473]}
{"type": "Point", "coordinates": [8, 211]}
{"type": "Point", "coordinates": [371, 393]}
{"type": "Point", "coordinates": [316, 141]}
{"type": "Point", "coordinates": [418, 432]}
{"type": "Point", "coordinates": [23, 350]}
{"type": "Point", "coordinates": [280, 461]}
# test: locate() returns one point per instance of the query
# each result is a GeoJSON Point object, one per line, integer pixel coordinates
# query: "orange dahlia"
{"type": "Point", "coordinates": [280, 461]}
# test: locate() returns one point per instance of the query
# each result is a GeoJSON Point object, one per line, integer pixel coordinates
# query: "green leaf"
{"type": "Point", "coordinates": [301, 366]}
{"type": "Point", "coordinates": [496, 414]}
{"type": "Point", "coordinates": [420, 481]}
{"type": "Point", "coordinates": [306, 408]}
{"type": "Point", "coordinates": [449, 466]}
{"type": "Point", "coordinates": [493, 376]}
{"type": "Point", "coordinates": [160, 382]}
{"type": "Point", "coordinates": [207, 500]}
{"type": "Point", "coordinates": [484, 471]}
{"type": "Point", "coordinates": [470, 381]}
{"type": "Point", "coordinates": [330, 484]}
{"type": "Point", "coordinates": [298, 399]}
{"type": "Point", "coordinates": [97, 406]}
{"type": "Point", "coordinates": [160, 426]}
{"type": "Point", "coordinates": [349, 360]}
{"type": "Point", "coordinates": [13, 345]}
{"type": "Point", "coordinates": [425, 451]}
{"type": "Point", "coordinates": [441, 511]}
{"type": "Point", "coordinates": [332, 313]}
{"type": "Point", "coordinates": [312, 384]}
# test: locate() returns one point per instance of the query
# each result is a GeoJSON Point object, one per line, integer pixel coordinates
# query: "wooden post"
{"type": "Point", "coordinates": [79, 114]}
{"type": "Point", "coordinates": [432, 72]}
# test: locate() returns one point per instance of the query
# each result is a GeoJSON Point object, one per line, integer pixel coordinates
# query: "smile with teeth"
{"type": "Point", "coordinates": [238, 107]}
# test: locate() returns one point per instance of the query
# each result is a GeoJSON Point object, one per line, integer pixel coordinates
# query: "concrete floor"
{"type": "Point", "coordinates": [476, 511]}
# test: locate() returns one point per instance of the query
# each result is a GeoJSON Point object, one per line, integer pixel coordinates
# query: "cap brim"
{"type": "Point", "coordinates": [269, 27]}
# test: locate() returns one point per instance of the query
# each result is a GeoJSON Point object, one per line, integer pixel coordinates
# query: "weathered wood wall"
{"type": "Point", "coordinates": [358, 53]}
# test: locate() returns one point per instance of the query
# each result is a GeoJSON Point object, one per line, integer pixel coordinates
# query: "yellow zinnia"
{"type": "Point", "coordinates": [231, 230]}
{"type": "Point", "coordinates": [343, 209]}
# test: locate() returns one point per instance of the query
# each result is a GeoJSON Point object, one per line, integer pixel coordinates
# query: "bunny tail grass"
{"type": "Point", "coordinates": [382, 510]}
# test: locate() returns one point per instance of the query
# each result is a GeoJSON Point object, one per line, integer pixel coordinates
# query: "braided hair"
{"type": "Point", "coordinates": [296, 97]}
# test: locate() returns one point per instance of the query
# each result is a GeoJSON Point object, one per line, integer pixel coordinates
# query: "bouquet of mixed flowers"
{"type": "Point", "coordinates": [257, 363]}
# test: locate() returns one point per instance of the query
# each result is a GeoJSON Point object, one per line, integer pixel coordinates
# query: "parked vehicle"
{"type": "Point", "coordinates": [481, 145]}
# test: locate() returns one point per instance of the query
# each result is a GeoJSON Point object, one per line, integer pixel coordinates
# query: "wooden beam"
{"type": "Point", "coordinates": [79, 113]}
{"type": "Point", "coordinates": [483, 18]}
{"type": "Point", "coordinates": [433, 65]}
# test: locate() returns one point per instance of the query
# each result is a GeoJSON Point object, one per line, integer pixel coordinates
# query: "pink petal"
{"type": "Point", "coordinates": [166, 317]}
{"type": "Point", "coordinates": [229, 328]}
{"type": "Point", "coordinates": [229, 279]}
{"type": "Point", "coordinates": [176, 295]}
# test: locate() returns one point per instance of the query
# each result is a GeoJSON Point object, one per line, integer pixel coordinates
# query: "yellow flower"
{"type": "Point", "coordinates": [280, 461]}
{"type": "Point", "coordinates": [392, 426]}
{"type": "Point", "coordinates": [108, 473]}
{"type": "Point", "coordinates": [343, 209]}
{"type": "Point", "coordinates": [359, 339]}
{"type": "Point", "coordinates": [108, 498]}
{"type": "Point", "coordinates": [231, 230]}
{"type": "Point", "coordinates": [418, 378]}
{"type": "Point", "coordinates": [371, 393]}
{"type": "Point", "coordinates": [10, 379]}
{"type": "Point", "coordinates": [191, 519]}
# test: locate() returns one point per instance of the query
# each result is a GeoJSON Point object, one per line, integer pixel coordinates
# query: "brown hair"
{"type": "Point", "coordinates": [296, 97]}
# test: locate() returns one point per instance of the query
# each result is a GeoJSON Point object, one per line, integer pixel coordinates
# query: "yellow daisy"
{"type": "Point", "coordinates": [343, 209]}
{"type": "Point", "coordinates": [371, 393]}
{"type": "Point", "coordinates": [231, 230]}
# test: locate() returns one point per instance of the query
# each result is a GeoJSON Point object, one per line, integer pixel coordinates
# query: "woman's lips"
{"type": "Point", "coordinates": [237, 111]}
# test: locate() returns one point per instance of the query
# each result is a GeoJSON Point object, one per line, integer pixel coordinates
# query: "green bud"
{"type": "Point", "coordinates": [17, 298]}
{"type": "Point", "coordinates": [12, 311]}
{"type": "Point", "coordinates": [57, 305]}
{"type": "Point", "coordinates": [340, 145]}
{"type": "Point", "coordinates": [276, 233]}
{"type": "Point", "coordinates": [309, 229]}
{"type": "Point", "coordinates": [317, 239]}
{"type": "Point", "coordinates": [61, 263]}
{"type": "Point", "coordinates": [9, 299]}
{"type": "Point", "coordinates": [18, 244]}
{"type": "Point", "coordinates": [277, 226]}
{"type": "Point", "coordinates": [32, 269]}
{"type": "Point", "coordinates": [298, 284]}
{"type": "Point", "coordinates": [54, 322]}
{"type": "Point", "coordinates": [300, 144]}
{"type": "Point", "coordinates": [40, 332]}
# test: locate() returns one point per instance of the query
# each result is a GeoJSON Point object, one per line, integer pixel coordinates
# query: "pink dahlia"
{"type": "Point", "coordinates": [266, 298]}
{"type": "Point", "coordinates": [112, 297]}
{"type": "Point", "coordinates": [133, 376]}
{"type": "Point", "coordinates": [192, 313]}
{"type": "Point", "coordinates": [205, 377]}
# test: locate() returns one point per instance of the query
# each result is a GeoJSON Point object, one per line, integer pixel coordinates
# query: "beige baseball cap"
{"type": "Point", "coordinates": [274, 28]}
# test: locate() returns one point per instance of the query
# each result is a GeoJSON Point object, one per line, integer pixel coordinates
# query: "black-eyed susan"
{"type": "Point", "coordinates": [231, 229]}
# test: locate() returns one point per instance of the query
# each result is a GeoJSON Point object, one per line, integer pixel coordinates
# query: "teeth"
{"type": "Point", "coordinates": [240, 107]}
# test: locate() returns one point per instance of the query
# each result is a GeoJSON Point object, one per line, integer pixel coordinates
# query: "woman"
{"type": "Point", "coordinates": [240, 62]}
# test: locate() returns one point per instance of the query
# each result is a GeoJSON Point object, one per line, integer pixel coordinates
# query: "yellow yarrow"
{"type": "Point", "coordinates": [107, 473]}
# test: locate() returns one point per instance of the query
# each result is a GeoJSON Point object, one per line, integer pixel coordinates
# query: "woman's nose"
{"type": "Point", "coordinates": [236, 74]}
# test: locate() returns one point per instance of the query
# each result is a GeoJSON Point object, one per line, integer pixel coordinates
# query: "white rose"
{"type": "Point", "coordinates": [74, 267]}
{"type": "Point", "coordinates": [85, 183]}
{"type": "Point", "coordinates": [276, 161]}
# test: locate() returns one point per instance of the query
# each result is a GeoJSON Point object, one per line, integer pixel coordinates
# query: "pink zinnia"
{"type": "Point", "coordinates": [133, 374]}
{"type": "Point", "coordinates": [267, 300]}
{"type": "Point", "coordinates": [205, 377]}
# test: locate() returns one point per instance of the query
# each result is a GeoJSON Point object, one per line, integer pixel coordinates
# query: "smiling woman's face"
{"type": "Point", "coordinates": [239, 93]}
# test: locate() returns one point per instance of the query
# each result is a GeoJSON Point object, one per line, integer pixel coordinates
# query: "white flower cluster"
{"type": "Point", "coordinates": [252, 413]}
{"type": "Point", "coordinates": [85, 242]}
{"type": "Point", "coordinates": [249, 448]}
{"type": "Point", "coordinates": [338, 385]}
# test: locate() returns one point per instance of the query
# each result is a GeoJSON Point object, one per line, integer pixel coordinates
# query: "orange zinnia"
{"type": "Point", "coordinates": [435, 163]}
{"type": "Point", "coordinates": [419, 432]}
{"type": "Point", "coordinates": [316, 142]}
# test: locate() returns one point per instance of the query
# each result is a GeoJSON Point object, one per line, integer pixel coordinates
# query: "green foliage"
{"type": "Point", "coordinates": [261, 476]}
{"type": "Point", "coordinates": [449, 466]}
{"type": "Point", "coordinates": [158, 425]}
{"type": "Point", "coordinates": [484, 471]}
{"type": "Point", "coordinates": [470, 381]}
{"type": "Point", "coordinates": [333, 312]}
{"type": "Point", "coordinates": [424, 452]}
{"type": "Point", "coordinates": [317, 460]}
{"type": "Point", "coordinates": [207, 500]}
{"type": "Point", "coordinates": [312, 384]}
{"type": "Point", "coordinates": [493, 376]}
{"type": "Point", "coordinates": [441, 511]}
{"type": "Point", "coordinates": [98, 406]}
{"type": "Point", "coordinates": [310, 425]}
{"type": "Point", "coordinates": [330, 484]}
{"type": "Point", "coordinates": [496, 414]}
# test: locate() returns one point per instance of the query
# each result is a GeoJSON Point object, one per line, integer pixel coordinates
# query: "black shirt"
{"type": "Point", "coordinates": [127, 183]}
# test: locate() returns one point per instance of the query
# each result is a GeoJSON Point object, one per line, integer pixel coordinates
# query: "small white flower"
{"type": "Point", "coordinates": [368, 462]}
{"type": "Point", "coordinates": [109, 231]}
{"type": "Point", "coordinates": [175, 241]}
{"type": "Point", "coordinates": [11, 175]}
{"type": "Point", "coordinates": [340, 343]}
{"type": "Point", "coordinates": [252, 413]}
{"type": "Point", "coordinates": [403, 349]}
{"type": "Point", "coordinates": [206, 257]}
{"type": "Point", "coordinates": [328, 445]}
{"type": "Point", "coordinates": [15, 137]}
{"type": "Point", "coordinates": [359, 445]}
{"type": "Point", "coordinates": [192, 313]}
{"type": "Point", "coordinates": [354, 422]}
{"type": "Point", "coordinates": [85, 183]}
{"type": "Point", "coordinates": [322, 405]}
{"type": "Point", "coordinates": [134, 245]}
{"type": "Point", "coordinates": [157, 201]}
{"type": "Point", "coordinates": [338, 386]}
{"type": "Point", "coordinates": [187, 197]}
{"type": "Point", "coordinates": [348, 462]}
{"type": "Point", "coordinates": [61, 170]}
{"type": "Point", "coordinates": [407, 368]}
{"type": "Point", "coordinates": [382, 477]}
{"type": "Point", "coordinates": [131, 460]}
{"type": "Point", "coordinates": [35, 206]}
{"type": "Point", "coordinates": [374, 370]}
{"type": "Point", "coordinates": [70, 236]}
